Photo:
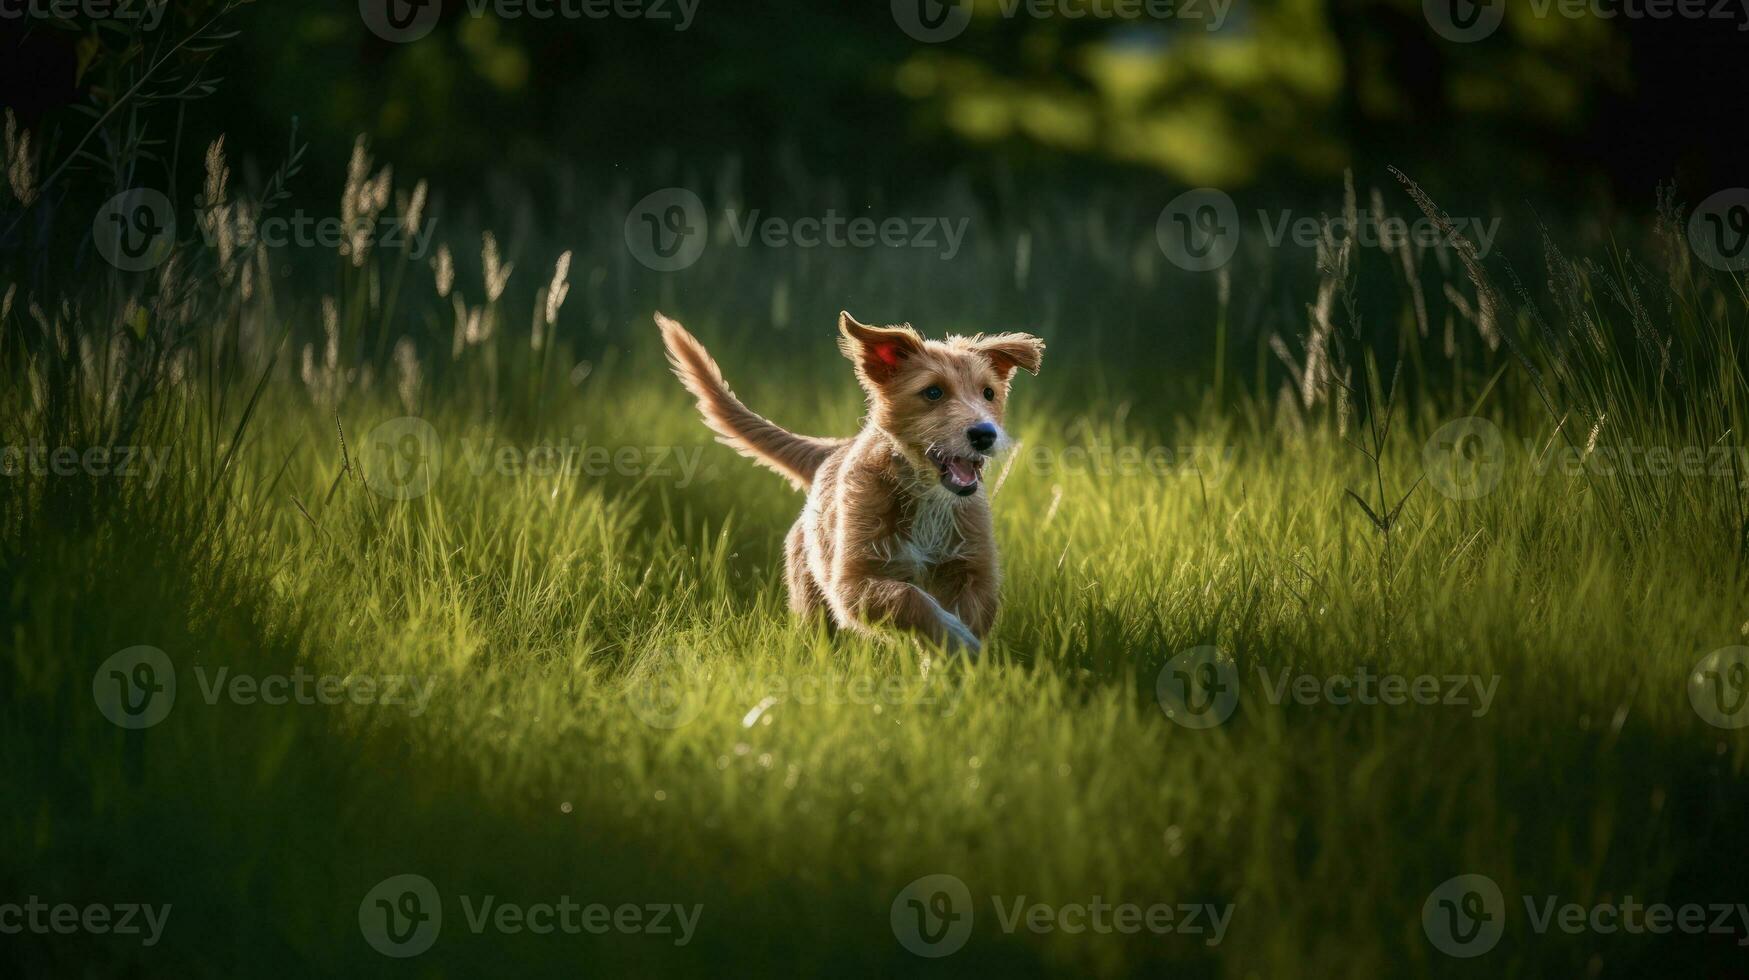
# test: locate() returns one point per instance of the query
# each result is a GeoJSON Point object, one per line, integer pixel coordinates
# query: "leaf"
{"type": "Point", "coordinates": [1398, 509]}
{"type": "Point", "coordinates": [1369, 511]}
{"type": "Point", "coordinates": [86, 51]}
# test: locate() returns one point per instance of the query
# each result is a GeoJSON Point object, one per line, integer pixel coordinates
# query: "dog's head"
{"type": "Point", "coordinates": [940, 401]}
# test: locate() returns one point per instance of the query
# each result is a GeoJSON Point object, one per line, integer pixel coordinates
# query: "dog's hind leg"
{"type": "Point", "coordinates": [805, 598]}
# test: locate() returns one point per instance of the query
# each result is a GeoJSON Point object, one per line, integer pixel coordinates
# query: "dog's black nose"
{"type": "Point", "coordinates": [982, 436]}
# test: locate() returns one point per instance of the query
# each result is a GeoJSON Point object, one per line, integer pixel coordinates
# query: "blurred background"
{"type": "Point", "coordinates": [1060, 137]}
{"type": "Point", "coordinates": [1057, 138]}
{"type": "Point", "coordinates": [1591, 111]}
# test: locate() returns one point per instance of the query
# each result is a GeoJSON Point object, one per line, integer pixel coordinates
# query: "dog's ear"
{"type": "Point", "coordinates": [877, 352]}
{"type": "Point", "coordinates": [1011, 350]}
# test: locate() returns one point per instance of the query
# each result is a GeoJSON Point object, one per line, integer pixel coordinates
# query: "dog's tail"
{"type": "Point", "coordinates": [795, 457]}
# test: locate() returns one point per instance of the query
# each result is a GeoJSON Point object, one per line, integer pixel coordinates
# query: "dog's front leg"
{"type": "Point", "coordinates": [975, 604]}
{"type": "Point", "coordinates": [875, 600]}
{"type": "Point", "coordinates": [969, 583]}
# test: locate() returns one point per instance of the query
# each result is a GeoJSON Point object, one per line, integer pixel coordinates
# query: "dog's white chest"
{"type": "Point", "coordinates": [933, 537]}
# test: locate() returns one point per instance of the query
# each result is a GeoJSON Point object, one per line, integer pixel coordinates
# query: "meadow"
{"type": "Point", "coordinates": [453, 584]}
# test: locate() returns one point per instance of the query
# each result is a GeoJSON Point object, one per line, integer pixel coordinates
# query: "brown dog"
{"type": "Point", "coordinates": [896, 528]}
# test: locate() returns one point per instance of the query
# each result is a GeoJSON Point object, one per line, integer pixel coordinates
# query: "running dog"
{"type": "Point", "coordinates": [896, 528]}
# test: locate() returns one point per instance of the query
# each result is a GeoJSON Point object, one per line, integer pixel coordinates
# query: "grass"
{"type": "Point", "coordinates": [620, 709]}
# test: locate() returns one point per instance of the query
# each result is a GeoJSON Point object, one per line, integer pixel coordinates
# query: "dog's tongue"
{"type": "Point", "coordinates": [961, 472]}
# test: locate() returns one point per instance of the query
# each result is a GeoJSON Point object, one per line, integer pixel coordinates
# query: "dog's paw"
{"type": "Point", "coordinates": [955, 633]}
{"type": "Point", "coordinates": [960, 635]}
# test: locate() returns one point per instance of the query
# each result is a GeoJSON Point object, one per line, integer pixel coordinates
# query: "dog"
{"type": "Point", "coordinates": [896, 528]}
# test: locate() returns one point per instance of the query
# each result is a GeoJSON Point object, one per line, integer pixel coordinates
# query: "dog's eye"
{"type": "Point", "coordinates": [933, 393]}
{"type": "Point", "coordinates": [989, 394]}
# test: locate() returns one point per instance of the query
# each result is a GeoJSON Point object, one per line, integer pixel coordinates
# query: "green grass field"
{"type": "Point", "coordinates": [595, 692]}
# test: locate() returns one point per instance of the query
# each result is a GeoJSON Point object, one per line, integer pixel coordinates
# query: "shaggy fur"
{"type": "Point", "coordinates": [897, 525]}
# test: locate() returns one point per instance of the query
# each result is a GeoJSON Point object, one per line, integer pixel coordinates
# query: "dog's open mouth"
{"type": "Point", "coordinates": [958, 473]}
